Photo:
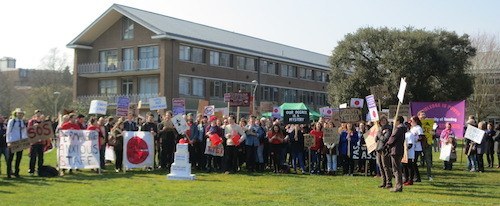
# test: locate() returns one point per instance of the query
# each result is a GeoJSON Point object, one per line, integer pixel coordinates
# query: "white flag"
{"type": "Point", "coordinates": [357, 103]}
{"type": "Point", "coordinates": [138, 150]}
{"type": "Point", "coordinates": [402, 88]}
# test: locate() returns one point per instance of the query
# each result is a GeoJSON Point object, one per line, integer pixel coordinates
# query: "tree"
{"type": "Point", "coordinates": [434, 63]}
{"type": "Point", "coordinates": [55, 69]}
{"type": "Point", "coordinates": [6, 92]}
{"type": "Point", "coordinates": [485, 69]}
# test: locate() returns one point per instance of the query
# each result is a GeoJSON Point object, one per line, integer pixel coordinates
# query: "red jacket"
{"type": "Point", "coordinates": [98, 129]}
{"type": "Point", "coordinates": [318, 140]}
{"type": "Point", "coordinates": [70, 126]}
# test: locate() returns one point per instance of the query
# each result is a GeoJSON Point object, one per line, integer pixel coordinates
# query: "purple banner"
{"type": "Point", "coordinates": [443, 112]}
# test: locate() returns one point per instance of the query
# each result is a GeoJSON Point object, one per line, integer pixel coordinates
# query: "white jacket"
{"type": "Point", "coordinates": [16, 130]}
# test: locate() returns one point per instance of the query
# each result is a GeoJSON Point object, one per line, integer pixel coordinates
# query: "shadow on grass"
{"type": "Point", "coordinates": [471, 194]}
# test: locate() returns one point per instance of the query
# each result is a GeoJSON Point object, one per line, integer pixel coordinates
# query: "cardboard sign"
{"type": "Point", "coordinates": [336, 117]}
{"type": "Point", "coordinates": [222, 111]}
{"type": "Point", "coordinates": [157, 103]}
{"type": "Point", "coordinates": [138, 150]}
{"type": "Point", "coordinates": [343, 106]}
{"type": "Point", "coordinates": [474, 134]}
{"type": "Point", "coordinates": [357, 103]}
{"type": "Point", "coordinates": [214, 151]}
{"type": "Point", "coordinates": [178, 106]}
{"type": "Point", "coordinates": [42, 131]}
{"type": "Point", "coordinates": [238, 99]}
{"type": "Point", "coordinates": [201, 105]}
{"type": "Point", "coordinates": [98, 107]}
{"type": "Point", "coordinates": [209, 110]}
{"type": "Point", "coordinates": [404, 110]}
{"type": "Point", "coordinates": [180, 124]}
{"type": "Point", "coordinates": [78, 149]}
{"type": "Point", "coordinates": [308, 140]}
{"type": "Point", "coordinates": [445, 152]}
{"type": "Point", "coordinates": [331, 136]}
{"type": "Point", "coordinates": [296, 116]}
{"type": "Point", "coordinates": [276, 112]}
{"type": "Point", "coordinates": [266, 107]}
{"type": "Point", "coordinates": [402, 88]}
{"type": "Point", "coordinates": [371, 138]}
{"type": "Point", "coordinates": [19, 145]}
{"type": "Point", "coordinates": [350, 115]}
{"type": "Point", "coordinates": [122, 105]}
{"type": "Point", "coordinates": [372, 108]}
{"type": "Point", "coordinates": [427, 126]}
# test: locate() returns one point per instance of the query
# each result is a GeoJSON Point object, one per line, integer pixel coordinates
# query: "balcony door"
{"type": "Point", "coordinates": [128, 59]}
{"type": "Point", "coordinates": [127, 86]}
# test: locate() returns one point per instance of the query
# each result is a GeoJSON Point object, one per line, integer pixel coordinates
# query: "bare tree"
{"type": "Point", "coordinates": [6, 92]}
{"type": "Point", "coordinates": [485, 69]}
{"type": "Point", "coordinates": [53, 69]}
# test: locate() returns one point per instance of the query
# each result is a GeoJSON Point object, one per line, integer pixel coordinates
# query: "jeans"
{"type": "Point", "coordinates": [298, 156]}
{"type": "Point", "coordinates": [102, 153]}
{"type": "Point", "coordinates": [19, 155]}
{"type": "Point", "coordinates": [471, 162]}
{"type": "Point", "coordinates": [428, 160]}
{"type": "Point", "coordinates": [5, 152]}
{"type": "Point", "coordinates": [276, 154]}
{"type": "Point", "coordinates": [315, 161]}
{"type": "Point", "coordinates": [36, 153]}
{"type": "Point", "coordinates": [331, 162]}
{"type": "Point", "coordinates": [260, 153]}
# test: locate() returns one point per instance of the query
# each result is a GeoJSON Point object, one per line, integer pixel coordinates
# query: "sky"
{"type": "Point", "coordinates": [29, 29]}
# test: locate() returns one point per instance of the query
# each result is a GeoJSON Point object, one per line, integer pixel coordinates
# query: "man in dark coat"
{"type": "Point", "coordinates": [396, 150]}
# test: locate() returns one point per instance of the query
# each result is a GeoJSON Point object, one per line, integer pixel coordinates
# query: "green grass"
{"type": "Point", "coordinates": [457, 187]}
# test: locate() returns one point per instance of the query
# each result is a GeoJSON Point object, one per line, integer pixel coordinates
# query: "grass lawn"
{"type": "Point", "coordinates": [456, 187]}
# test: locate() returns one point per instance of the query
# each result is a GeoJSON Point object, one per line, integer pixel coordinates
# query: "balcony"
{"type": "Point", "coordinates": [112, 98]}
{"type": "Point", "coordinates": [121, 66]}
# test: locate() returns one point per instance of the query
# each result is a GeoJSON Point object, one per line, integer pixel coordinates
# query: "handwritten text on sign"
{"type": "Point", "coordinates": [36, 134]}
{"type": "Point", "coordinates": [296, 116]}
{"type": "Point", "coordinates": [78, 149]}
{"type": "Point", "coordinates": [350, 115]}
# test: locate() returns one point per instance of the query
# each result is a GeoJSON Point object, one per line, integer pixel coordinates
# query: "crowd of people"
{"type": "Point", "coordinates": [257, 145]}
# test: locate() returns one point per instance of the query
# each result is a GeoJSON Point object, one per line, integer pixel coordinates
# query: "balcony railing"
{"type": "Point", "coordinates": [121, 66]}
{"type": "Point", "coordinates": [112, 98]}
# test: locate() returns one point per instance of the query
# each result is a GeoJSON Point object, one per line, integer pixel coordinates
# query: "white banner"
{"type": "Point", "coordinates": [138, 150]}
{"type": "Point", "coordinates": [474, 134]}
{"type": "Point", "coordinates": [98, 107]}
{"type": "Point", "coordinates": [357, 103]}
{"type": "Point", "coordinates": [343, 106]}
{"type": "Point", "coordinates": [78, 149]}
{"type": "Point", "coordinates": [157, 103]}
{"type": "Point", "coordinates": [402, 88]}
{"type": "Point", "coordinates": [445, 152]}
{"type": "Point", "coordinates": [180, 123]}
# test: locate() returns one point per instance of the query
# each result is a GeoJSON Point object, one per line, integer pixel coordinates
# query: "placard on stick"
{"type": "Point", "coordinates": [308, 140]}
{"type": "Point", "coordinates": [331, 136]}
{"type": "Point", "coordinates": [296, 116]}
{"type": "Point", "coordinates": [350, 115]}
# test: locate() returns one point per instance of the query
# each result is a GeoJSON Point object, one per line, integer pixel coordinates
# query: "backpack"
{"type": "Point", "coordinates": [47, 171]}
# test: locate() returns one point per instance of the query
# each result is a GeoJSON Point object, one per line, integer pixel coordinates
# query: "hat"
{"type": "Point", "coordinates": [18, 110]}
{"type": "Point", "coordinates": [38, 111]}
{"type": "Point", "coordinates": [212, 118]}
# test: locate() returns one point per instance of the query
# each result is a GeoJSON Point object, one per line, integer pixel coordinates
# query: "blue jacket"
{"type": "Point", "coordinates": [254, 133]}
{"type": "Point", "coordinates": [343, 143]}
{"type": "Point", "coordinates": [197, 132]}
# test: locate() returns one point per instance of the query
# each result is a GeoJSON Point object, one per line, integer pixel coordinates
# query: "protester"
{"type": "Point", "coordinates": [418, 133]}
{"type": "Point", "coordinates": [36, 149]}
{"type": "Point", "coordinates": [81, 121]}
{"type": "Point", "coordinates": [497, 144]}
{"type": "Point", "coordinates": [383, 155]}
{"type": "Point", "coordinates": [275, 137]}
{"type": "Point", "coordinates": [448, 137]}
{"type": "Point", "coordinates": [4, 150]}
{"type": "Point", "coordinates": [395, 146]}
{"type": "Point", "coordinates": [93, 125]}
{"type": "Point", "coordinates": [234, 135]}
{"type": "Point", "coordinates": [197, 140]}
{"type": "Point", "coordinates": [150, 126]}
{"type": "Point", "coordinates": [16, 130]}
{"type": "Point", "coordinates": [490, 145]}
{"type": "Point", "coordinates": [262, 142]}
{"type": "Point", "coordinates": [296, 137]}
{"type": "Point", "coordinates": [410, 166]}
{"type": "Point", "coordinates": [481, 148]}
{"type": "Point", "coordinates": [331, 154]}
{"type": "Point", "coordinates": [130, 124]}
{"type": "Point", "coordinates": [116, 140]}
{"type": "Point", "coordinates": [102, 142]}
{"type": "Point", "coordinates": [317, 134]}
{"type": "Point", "coordinates": [252, 142]}
{"type": "Point", "coordinates": [212, 130]}
{"type": "Point", "coordinates": [168, 139]}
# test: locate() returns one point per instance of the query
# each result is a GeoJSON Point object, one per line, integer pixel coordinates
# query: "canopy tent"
{"type": "Point", "coordinates": [295, 106]}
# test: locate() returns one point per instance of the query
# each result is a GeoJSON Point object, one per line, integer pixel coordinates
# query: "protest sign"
{"type": "Point", "coordinates": [209, 111]}
{"type": "Point", "coordinates": [371, 138]}
{"type": "Point", "coordinates": [445, 152]}
{"type": "Point", "coordinates": [336, 117]}
{"type": "Point", "coordinates": [442, 113]}
{"type": "Point", "coordinates": [331, 136]}
{"type": "Point", "coordinates": [474, 134]}
{"type": "Point", "coordinates": [98, 107]}
{"type": "Point", "coordinates": [214, 150]}
{"type": "Point", "coordinates": [300, 116]}
{"type": "Point", "coordinates": [201, 105]}
{"type": "Point", "coordinates": [138, 150]}
{"type": "Point", "coordinates": [78, 149]}
{"type": "Point", "coordinates": [36, 133]}
{"type": "Point", "coordinates": [428, 130]}
{"type": "Point", "coordinates": [372, 108]}
{"type": "Point", "coordinates": [122, 105]}
{"type": "Point", "coordinates": [326, 112]}
{"type": "Point", "coordinates": [357, 103]}
{"type": "Point", "coordinates": [402, 88]}
{"type": "Point", "coordinates": [343, 106]}
{"type": "Point", "coordinates": [308, 140]}
{"type": "Point", "coordinates": [180, 124]}
{"type": "Point", "coordinates": [360, 152]}
{"type": "Point", "coordinates": [276, 112]}
{"type": "Point", "coordinates": [157, 103]}
{"type": "Point", "coordinates": [266, 106]}
{"type": "Point", "coordinates": [350, 115]}
{"type": "Point", "coordinates": [238, 99]}
{"type": "Point", "coordinates": [178, 106]}
{"type": "Point", "coordinates": [222, 111]}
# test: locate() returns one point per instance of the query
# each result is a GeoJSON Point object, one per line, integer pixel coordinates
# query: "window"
{"type": "Point", "coordinates": [128, 29]}
{"type": "Point", "coordinates": [288, 71]}
{"type": "Point", "coordinates": [148, 85]}
{"type": "Point", "coordinates": [108, 60]}
{"type": "Point", "coordinates": [193, 54]}
{"type": "Point", "coordinates": [191, 86]}
{"type": "Point", "coordinates": [128, 59]}
{"type": "Point", "coordinates": [127, 86]}
{"type": "Point", "coordinates": [269, 94]}
{"type": "Point", "coordinates": [320, 76]}
{"type": "Point", "coordinates": [321, 99]}
{"type": "Point", "coordinates": [268, 67]}
{"type": "Point", "coordinates": [309, 74]}
{"type": "Point", "coordinates": [148, 57]}
{"type": "Point", "coordinates": [245, 87]}
{"type": "Point", "coordinates": [219, 88]}
{"type": "Point", "coordinates": [245, 63]}
{"type": "Point", "coordinates": [107, 86]}
{"type": "Point", "coordinates": [289, 95]}
{"type": "Point", "coordinates": [302, 73]}
{"type": "Point", "coordinates": [220, 59]}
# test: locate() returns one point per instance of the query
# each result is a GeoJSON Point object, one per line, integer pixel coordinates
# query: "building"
{"type": "Point", "coordinates": [7, 63]}
{"type": "Point", "coordinates": [140, 54]}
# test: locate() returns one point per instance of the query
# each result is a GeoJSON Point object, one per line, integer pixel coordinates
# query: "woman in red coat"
{"type": "Point", "coordinates": [317, 134]}
{"type": "Point", "coordinates": [275, 137]}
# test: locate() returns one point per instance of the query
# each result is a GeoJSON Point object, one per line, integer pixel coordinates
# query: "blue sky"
{"type": "Point", "coordinates": [31, 28]}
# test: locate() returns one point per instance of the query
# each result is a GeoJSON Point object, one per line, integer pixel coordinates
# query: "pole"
{"type": "Point", "coordinates": [310, 169]}
{"type": "Point", "coordinates": [379, 105]}
{"type": "Point", "coordinates": [395, 117]}
{"type": "Point", "coordinates": [238, 113]}
{"type": "Point", "coordinates": [462, 153]}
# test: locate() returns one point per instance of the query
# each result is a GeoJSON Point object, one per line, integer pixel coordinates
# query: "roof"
{"type": "Point", "coordinates": [166, 27]}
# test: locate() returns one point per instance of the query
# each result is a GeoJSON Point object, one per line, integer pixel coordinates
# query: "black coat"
{"type": "Point", "coordinates": [396, 141]}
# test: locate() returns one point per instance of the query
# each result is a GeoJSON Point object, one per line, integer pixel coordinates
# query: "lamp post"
{"type": "Point", "coordinates": [256, 83]}
{"type": "Point", "coordinates": [56, 94]}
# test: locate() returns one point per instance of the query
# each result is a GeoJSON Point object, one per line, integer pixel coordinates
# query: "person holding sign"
{"type": "Point", "coordinates": [383, 155]}
{"type": "Point", "coordinates": [481, 148]}
{"type": "Point", "coordinates": [16, 131]}
{"type": "Point", "coordinates": [448, 137]}
{"type": "Point", "coordinates": [151, 126]}
{"type": "Point", "coordinates": [233, 134]}
{"type": "Point", "coordinates": [348, 139]}
{"type": "Point", "coordinates": [296, 138]}
{"type": "Point", "coordinates": [116, 140]}
{"type": "Point", "coordinates": [395, 146]}
{"type": "Point", "coordinates": [213, 133]}
{"type": "Point", "coordinates": [331, 152]}
{"type": "Point", "coordinates": [36, 149]}
{"type": "Point", "coordinates": [317, 134]}
{"type": "Point", "coordinates": [275, 138]}
{"type": "Point", "coordinates": [410, 166]}
{"type": "Point", "coordinates": [167, 134]}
